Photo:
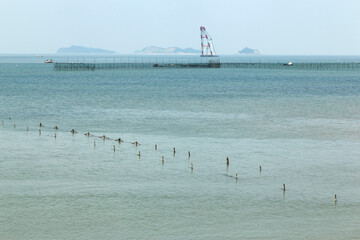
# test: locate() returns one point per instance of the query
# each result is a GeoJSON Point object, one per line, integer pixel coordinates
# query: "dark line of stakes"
{"type": "Point", "coordinates": [137, 143]}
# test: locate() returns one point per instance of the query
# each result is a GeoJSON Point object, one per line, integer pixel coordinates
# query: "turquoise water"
{"type": "Point", "coordinates": [302, 127]}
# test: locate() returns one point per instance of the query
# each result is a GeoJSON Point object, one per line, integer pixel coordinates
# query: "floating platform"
{"type": "Point", "coordinates": [98, 66]}
{"type": "Point", "coordinates": [209, 56]}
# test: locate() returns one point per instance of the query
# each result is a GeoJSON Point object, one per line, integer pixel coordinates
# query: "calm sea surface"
{"type": "Point", "coordinates": [302, 127]}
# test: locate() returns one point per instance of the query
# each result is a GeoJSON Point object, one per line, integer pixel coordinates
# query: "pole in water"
{"type": "Point", "coordinates": [236, 176]}
{"type": "Point", "coordinates": [284, 187]}
{"type": "Point", "coordinates": [192, 167]}
{"type": "Point", "coordinates": [114, 148]}
{"type": "Point", "coordinates": [335, 199]}
{"type": "Point", "coordinates": [174, 151]}
{"type": "Point", "coordinates": [39, 132]}
{"type": "Point", "coordinates": [55, 135]}
{"type": "Point", "coordinates": [162, 160]}
{"type": "Point", "coordinates": [260, 168]}
{"type": "Point", "coordinates": [94, 144]}
{"type": "Point", "coordinates": [189, 153]}
{"type": "Point", "coordinates": [227, 161]}
{"type": "Point", "coordinates": [155, 147]}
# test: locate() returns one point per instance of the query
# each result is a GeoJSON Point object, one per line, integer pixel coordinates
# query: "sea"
{"type": "Point", "coordinates": [301, 126]}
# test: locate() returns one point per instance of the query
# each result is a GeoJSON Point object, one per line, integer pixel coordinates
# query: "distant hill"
{"type": "Point", "coordinates": [80, 49]}
{"type": "Point", "coordinates": [247, 50]}
{"type": "Point", "coordinates": [169, 50]}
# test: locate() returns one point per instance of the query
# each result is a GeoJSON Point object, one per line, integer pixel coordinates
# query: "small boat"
{"type": "Point", "coordinates": [49, 61]}
{"type": "Point", "coordinates": [288, 64]}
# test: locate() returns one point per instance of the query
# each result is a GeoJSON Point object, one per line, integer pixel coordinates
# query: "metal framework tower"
{"type": "Point", "coordinates": [207, 46]}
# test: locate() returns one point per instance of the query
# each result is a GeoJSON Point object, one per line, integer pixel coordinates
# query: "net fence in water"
{"type": "Point", "coordinates": [154, 63]}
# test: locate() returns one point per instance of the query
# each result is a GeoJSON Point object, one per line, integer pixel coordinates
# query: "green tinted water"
{"type": "Point", "coordinates": [302, 127]}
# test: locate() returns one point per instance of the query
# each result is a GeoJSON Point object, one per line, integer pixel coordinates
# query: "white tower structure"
{"type": "Point", "coordinates": [207, 46]}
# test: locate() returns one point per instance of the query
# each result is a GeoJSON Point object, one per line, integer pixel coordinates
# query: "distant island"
{"type": "Point", "coordinates": [169, 50]}
{"type": "Point", "coordinates": [247, 50]}
{"type": "Point", "coordinates": [80, 49]}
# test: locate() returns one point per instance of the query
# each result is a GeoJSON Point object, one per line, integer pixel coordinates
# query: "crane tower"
{"type": "Point", "coordinates": [207, 46]}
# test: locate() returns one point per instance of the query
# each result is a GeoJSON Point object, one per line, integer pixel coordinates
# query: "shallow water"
{"type": "Point", "coordinates": [302, 127]}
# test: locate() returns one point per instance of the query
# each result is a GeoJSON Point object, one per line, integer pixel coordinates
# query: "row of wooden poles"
{"type": "Point", "coordinates": [136, 143]}
{"type": "Point", "coordinates": [64, 66]}
{"type": "Point", "coordinates": [109, 66]}
{"type": "Point", "coordinates": [347, 66]}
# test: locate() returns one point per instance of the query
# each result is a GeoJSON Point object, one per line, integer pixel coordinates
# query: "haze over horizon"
{"type": "Point", "coordinates": [272, 26]}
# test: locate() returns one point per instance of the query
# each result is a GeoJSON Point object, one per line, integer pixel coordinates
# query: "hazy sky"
{"type": "Point", "coordinates": [323, 27]}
